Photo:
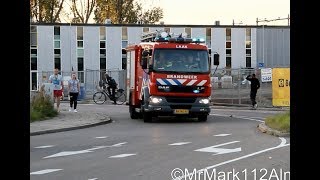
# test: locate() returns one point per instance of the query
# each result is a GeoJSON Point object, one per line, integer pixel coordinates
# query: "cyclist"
{"type": "Point", "coordinates": [112, 85]}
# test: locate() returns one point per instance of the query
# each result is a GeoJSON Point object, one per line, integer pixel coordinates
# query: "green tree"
{"type": "Point", "coordinates": [46, 10]}
{"type": "Point", "coordinates": [126, 11]}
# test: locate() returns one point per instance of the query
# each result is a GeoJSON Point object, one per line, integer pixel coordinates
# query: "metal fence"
{"type": "Point", "coordinates": [228, 85]}
{"type": "Point", "coordinates": [231, 87]}
{"type": "Point", "coordinates": [89, 79]}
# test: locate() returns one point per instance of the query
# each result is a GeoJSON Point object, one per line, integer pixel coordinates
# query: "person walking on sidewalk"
{"type": "Point", "coordinates": [255, 85]}
{"type": "Point", "coordinates": [56, 80]}
{"type": "Point", "coordinates": [74, 91]}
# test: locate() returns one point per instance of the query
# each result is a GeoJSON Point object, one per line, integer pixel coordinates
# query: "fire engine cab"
{"type": "Point", "coordinates": [169, 76]}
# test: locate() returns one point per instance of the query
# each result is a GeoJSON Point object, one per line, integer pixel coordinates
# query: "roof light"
{"type": "Point", "coordinates": [164, 34]}
{"type": "Point", "coordinates": [198, 40]}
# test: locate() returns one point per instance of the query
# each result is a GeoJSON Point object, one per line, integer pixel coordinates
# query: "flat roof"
{"type": "Point", "coordinates": [157, 25]}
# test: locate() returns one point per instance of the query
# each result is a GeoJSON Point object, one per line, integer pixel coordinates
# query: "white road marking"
{"type": "Point", "coordinates": [101, 137]}
{"type": "Point", "coordinates": [236, 159]}
{"type": "Point", "coordinates": [222, 135]}
{"type": "Point", "coordinates": [179, 143]}
{"type": "Point", "coordinates": [119, 144]}
{"type": "Point", "coordinates": [283, 141]}
{"type": "Point", "coordinates": [122, 155]}
{"type": "Point", "coordinates": [68, 153]}
{"type": "Point", "coordinates": [214, 149]}
{"type": "Point", "coordinates": [44, 171]}
{"type": "Point", "coordinates": [93, 179]}
{"type": "Point", "coordinates": [241, 117]}
{"type": "Point", "coordinates": [41, 147]}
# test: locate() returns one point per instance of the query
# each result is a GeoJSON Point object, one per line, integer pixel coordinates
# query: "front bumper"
{"type": "Point", "coordinates": [166, 108]}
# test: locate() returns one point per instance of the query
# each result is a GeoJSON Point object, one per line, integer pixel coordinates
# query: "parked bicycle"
{"type": "Point", "coordinates": [102, 96]}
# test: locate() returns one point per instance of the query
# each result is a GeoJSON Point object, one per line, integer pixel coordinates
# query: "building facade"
{"type": "Point", "coordinates": [83, 47]}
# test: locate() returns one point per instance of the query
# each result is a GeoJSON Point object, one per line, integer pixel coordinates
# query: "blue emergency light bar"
{"type": "Point", "coordinates": [179, 39]}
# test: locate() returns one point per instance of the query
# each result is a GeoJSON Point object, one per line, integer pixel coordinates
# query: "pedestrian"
{"type": "Point", "coordinates": [74, 91]}
{"type": "Point", "coordinates": [56, 80]}
{"type": "Point", "coordinates": [255, 85]}
{"type": "Point", "coordinates": [112, 86]}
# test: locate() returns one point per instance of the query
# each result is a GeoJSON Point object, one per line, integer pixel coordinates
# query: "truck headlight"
{"type": "Point", "coordinates": [204, 101]}
{"type": "Point", "coordinates": [155, 100]}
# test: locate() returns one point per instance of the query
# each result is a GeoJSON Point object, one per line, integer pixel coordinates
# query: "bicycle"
{"type": "Point", "coordinates": [102, 96]}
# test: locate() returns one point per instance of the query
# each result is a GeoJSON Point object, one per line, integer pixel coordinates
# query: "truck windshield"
{"type": "Point", "coordinates": [180, 60]}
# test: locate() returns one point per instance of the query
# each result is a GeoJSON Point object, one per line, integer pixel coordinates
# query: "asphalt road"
{"type": "Point", "coordinates": [126, 149]}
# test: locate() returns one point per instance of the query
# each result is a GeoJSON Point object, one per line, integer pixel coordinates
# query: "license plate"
{"type": "Point", "coordinates": [181, 111]}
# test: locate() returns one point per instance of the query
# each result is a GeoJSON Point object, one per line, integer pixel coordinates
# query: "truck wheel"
{"type": "Point", "coordinates": [133, 113]}
{"type": "Point", "coordinates": [146, 117]}
{"type": "Point", "coordinates": [202, 118]}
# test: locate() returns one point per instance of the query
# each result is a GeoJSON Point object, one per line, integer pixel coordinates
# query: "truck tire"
{"type": "Point", "coordinates": [133, 113]}
{"type": "Point", "coordinates": [147, 117]}
{"type": "Point", "coordinates": [202, 118]}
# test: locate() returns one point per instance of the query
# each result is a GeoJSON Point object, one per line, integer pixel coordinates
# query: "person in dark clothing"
{"type": "Point", "coordinates": [255, 85]}
{"type": "Point", "coordinates": [112, 86]}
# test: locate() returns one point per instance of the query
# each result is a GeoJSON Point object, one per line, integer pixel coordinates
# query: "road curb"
{"type": "Point", "coordinates": [266, 129]}
{"type": "Point", "coordinates": [245, 107]}
{"type": "Point", "coordinates": [106, 120]}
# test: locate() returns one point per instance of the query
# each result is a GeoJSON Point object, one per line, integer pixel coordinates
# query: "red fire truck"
{"type": "Point", "coordinates": [169, 76]}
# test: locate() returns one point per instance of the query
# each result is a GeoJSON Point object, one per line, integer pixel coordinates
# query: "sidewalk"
{"type": "Point", "coordinates": [66, 121]}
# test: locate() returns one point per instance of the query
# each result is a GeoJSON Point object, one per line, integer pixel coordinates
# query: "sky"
{"type": "Point", "coordinates": [206, 12]}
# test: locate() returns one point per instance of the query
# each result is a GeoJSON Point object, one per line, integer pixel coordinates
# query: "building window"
{"type": "Point", "coordinates": [124, 44]}
{"type": "Point", "coordinates": [79, 33]}
{"type": "Point", "coordinates": [248, 61]}
{"type": "Point", "coordinates": [167, 29]}
{"type": "Point", "coordinates": [228, 34]}
{"type": "Point", "coordinates": [57, 51]}
{"type": "Point", "coordinates": [145, 29]}
{"type": "Point", "coordinates": [228, 44]}
{"type": "Point", "coordinates": [57, 63]}
{"type": "Point", "coordinates": [248, 44]}
{"type": "Point", "coordinates": [124, 33]}
{"type": "Point", "coordinates": [80, 64]}
{"type": "Point", "coordinates": [248, 52]}
{"type": "Point", "coordinates": [33, 52]}
{"type": "Point", "coordinates": [102, 44]}
{"type": "Point", "coordinates": [33, 36]}
{"type": "Point", "coordinates": [56, 44]}
{"type": "Point", "coordinates": [80, 44]}
{"type": "Point", "coordinates": [208, 37]}
{"type": "Point", "coordinates": [34, 81]}
{"type": "Point", "coordinates": [124, 59]}
{"type": "Point", "coordinates": [103, 52]}
{"type": "Point", "coordinates": [248, 34]}
{"type": "Point", "coordinates": [103, 33]}
{"type": "Point", "coordinates": [188, 31]}
{"type": "Point", "coordinates": [33, 63]}
{"type": "Point", "coordinates": [103, 64]}
{"type": "Point", "coordinates": [228, 62]}
{"type": "Point", "coordinates": [56, 31]}
{"type": "Point", "coordinates": [80, 52]}
{"type": "Point", "coordinates": [228, 52]}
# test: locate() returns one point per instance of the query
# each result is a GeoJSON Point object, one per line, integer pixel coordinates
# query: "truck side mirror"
{"type": "Point", "coordinates": [216, 59]}
{"type": "Point", "coordinates": [144, 59]}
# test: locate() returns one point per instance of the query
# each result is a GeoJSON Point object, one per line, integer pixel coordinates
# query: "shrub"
{"type": "Point", "coordinates": [41, 106]}
{"type": "Point", "coordinates": [279, 122]}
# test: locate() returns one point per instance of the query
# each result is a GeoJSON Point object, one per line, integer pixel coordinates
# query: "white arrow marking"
{"type": "Point", "coordinates": [220, 150]}
{"type": "Point", "coordinates": [221, 135]}
{"type": "Point", "coordinates": [179, 143]}
{"type": "Point", "coordinates": [93, 179]}
{"type": "Point", "coordinates": [101, 137]}
{"type": "Point", "coordinates": [122, 155]}
{"type": "Point", "coordinates": [68, 153]}
{"type": "Point", "coordinates": [236, 159]}
{"type": "Point", "coordinates": [41, 147]}
{"type": "Point", "coordinates": [44, 171]}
